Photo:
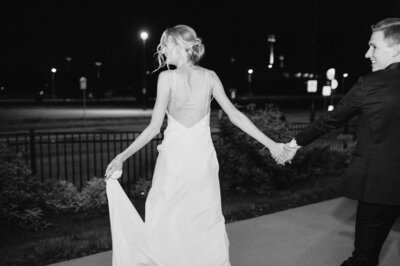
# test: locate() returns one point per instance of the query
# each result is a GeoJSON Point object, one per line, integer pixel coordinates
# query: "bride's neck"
{"type": "Point", "coordinates": [184, 64]}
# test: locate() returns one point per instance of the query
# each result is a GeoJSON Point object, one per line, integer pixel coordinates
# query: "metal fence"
{"type": "Point", "coordinates": [79, 156]}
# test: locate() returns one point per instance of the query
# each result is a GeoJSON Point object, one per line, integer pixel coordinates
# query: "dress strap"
{"type": "Point", "coordinates": [209, 92]}
{"type": "Point", "coordinates": [172, 92]}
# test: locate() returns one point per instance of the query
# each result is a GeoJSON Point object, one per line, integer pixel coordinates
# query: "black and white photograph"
{"type": "Point", "coordinates": [177, 133]}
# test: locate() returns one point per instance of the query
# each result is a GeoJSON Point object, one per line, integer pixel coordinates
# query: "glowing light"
{"type": "Point", "coordinates": [326, 90]}
{"type": "Point", "coordinates": [53, 70]}
{"type": "Point", "coordinates": [330, 107]}
{"type": "Point", "coordinates": [312, 86]}
{"type": "Point", "coordinates": [345, 75]}
{"type": "Point", "coordinates": [334, 84]}
{"type": "Point", "coordinates": [144, 35]}
{"type": "Point", "coordinates": [250, 71]}
{"type": "Point", "coordinates": [330, 73]}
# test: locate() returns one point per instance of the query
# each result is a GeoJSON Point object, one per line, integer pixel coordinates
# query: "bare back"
{"type": "Point", "coordinates": [190, 95]}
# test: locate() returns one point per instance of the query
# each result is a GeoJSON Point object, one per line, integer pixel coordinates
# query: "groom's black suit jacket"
{"type": "Point", "coordinates": [373, 174]}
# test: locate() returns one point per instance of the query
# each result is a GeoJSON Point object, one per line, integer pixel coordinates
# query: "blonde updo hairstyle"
{"type": "Point", "coordinates": [184, 36]}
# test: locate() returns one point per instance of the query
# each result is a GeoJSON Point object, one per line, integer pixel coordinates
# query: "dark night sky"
{"type": "Point", "coordinates": [312, 35]}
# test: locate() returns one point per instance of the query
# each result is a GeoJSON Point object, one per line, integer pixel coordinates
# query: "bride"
{"type": "Point", "coordinates": [184, 224]}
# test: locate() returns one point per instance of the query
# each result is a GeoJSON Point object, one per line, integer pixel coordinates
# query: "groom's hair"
{"type": "Point", "coordinates": [390, 28]}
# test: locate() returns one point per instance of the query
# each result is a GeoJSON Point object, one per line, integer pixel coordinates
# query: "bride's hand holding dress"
{"type": "Point", "coordinates": [114, 167]}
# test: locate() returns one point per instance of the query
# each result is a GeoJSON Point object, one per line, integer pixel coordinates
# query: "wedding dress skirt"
{"type": "Point", "coordinates": [184, 225]}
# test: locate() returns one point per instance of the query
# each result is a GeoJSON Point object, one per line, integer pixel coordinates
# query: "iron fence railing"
{"type": "Point", "coordinates": [79, 156]}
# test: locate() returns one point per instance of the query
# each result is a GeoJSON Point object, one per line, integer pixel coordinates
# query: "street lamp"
{"type": "Point", "coordinates": [271, 40]}
{"type": "Point", "coordinates": [53, 82]}
{"type": "Point", "coordinates": [326, 92]}
{"type": "Point", "coordinates": [312, 86]}
{"type": "Point", "coordinates": [98, 65]}
{"type": "Point", "coordinates": [68, 59]}
{"type": "Point", "coordinates": [343, 87]}
{"type": "Point", "coordinates": [98, 78]}
{"type": "Point", "coordinates": [333, 84]}
{"type": "Point", "coordinates": [67, 83]}
{"type": "Point", "coordinates": [144, 36]}
{"type": "Point", "coordinates": [281, 59]}
{"type": "Point", "coordinates": [249, 80]}
{"type": "Point", "coordinates": [83, 87]}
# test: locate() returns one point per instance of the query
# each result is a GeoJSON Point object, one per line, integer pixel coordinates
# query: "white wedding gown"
{"type": "Point", "coordinates": [184, 225]}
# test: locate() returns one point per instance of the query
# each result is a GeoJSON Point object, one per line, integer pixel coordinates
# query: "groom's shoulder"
{"type": "Point", "coordinates": [370, 76]}
{"type": "Point", "coordinates": [379, 75]}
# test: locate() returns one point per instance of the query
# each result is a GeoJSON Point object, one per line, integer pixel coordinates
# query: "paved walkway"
{"type": "Point", "coordinates": [314, 235]}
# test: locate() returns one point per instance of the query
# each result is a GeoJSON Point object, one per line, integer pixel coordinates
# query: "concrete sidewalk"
{"type": "Point", "coordinates": [319, 234]}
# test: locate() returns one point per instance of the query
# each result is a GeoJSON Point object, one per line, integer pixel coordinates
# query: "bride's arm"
{"type": "Point", "coordinates": [157, 118]}
{"type": "Point", "coordinates": [240, 120]}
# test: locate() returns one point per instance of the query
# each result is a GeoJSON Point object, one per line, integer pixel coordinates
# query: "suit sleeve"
{"type": "Point", "coordinates": [348, 107]}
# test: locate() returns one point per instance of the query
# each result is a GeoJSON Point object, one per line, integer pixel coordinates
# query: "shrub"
{"type": "Point", "coordinates": [25, 202]}
{"type": "Point", "coordinates": [64, 197]}
{"type": "Point", "coordinates": [93, 196]}
{"type": "Point", "coordinates": [246, 167]}
{"type": "Point", "coordinates": [20, 193]}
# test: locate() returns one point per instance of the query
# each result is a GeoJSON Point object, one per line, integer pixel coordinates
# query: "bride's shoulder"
{"type": "Point", "coordinates": [165, 74]}
{"type": "Point", "coordinates": [165, 77]}
{"type": "Point", "coordinates": [207, 71]}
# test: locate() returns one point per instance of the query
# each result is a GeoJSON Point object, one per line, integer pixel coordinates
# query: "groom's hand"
{"type": "Point", "coordinates": [278, 153]}
{"type": "Point", "coordinates": [291, 149]}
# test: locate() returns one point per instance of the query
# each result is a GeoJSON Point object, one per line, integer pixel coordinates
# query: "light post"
{"type": "Point", "coordinates": [333, 84]}
{"type": "Point", "coordinates": [98, 65]}
{"type": "Point", "coordinates": [53, 82]}
{"type": "Point", "coordinates": [144, 36]}
{"type": "Point", "coordinates": [83, 87]}
{"type": "Point", "coordinates": [98, 77]}
{"type": "Point", "coordinates": [249, 80]}
{"type": "Point", "coordinates": [343, 87]}
{"type": "Point", "coordinates": [326, 92]}
{"type": "Point", "coordinates": [67, 84]}
{"type": "Point", "coordinates": [281, 61]}
{"type": "Point", "coordinates": [271, 40]}
{"type": "Point", "coordinates": [68, 59]}
{"type": "Point", "coordinates": [312, 87]}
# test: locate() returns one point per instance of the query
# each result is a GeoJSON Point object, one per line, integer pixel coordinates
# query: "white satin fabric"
{"type": "Point", "coordinates": [184, 225]}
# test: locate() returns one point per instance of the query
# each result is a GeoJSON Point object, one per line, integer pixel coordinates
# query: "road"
{"type": "Point", "coordinates": [20, 119]}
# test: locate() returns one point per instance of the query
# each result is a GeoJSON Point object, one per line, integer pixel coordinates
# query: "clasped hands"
{"type": "Point", "coordinates": [284, 153]}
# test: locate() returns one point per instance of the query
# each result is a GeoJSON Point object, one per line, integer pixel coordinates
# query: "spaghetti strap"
{"type": "Point", "coordinates": [172, 92]}
{"type": "Point", "coordinates": [210, 94]}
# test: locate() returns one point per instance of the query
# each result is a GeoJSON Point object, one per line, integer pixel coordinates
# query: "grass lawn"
{"type": "Point", "coordinates": [73, 236]}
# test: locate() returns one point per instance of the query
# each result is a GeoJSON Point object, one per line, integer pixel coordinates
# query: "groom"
{"type": "Point", "coordinates": [373, 174]}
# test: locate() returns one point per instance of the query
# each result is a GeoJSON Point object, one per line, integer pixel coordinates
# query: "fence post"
{"type": "Point", "coordinates": [32, 145]}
